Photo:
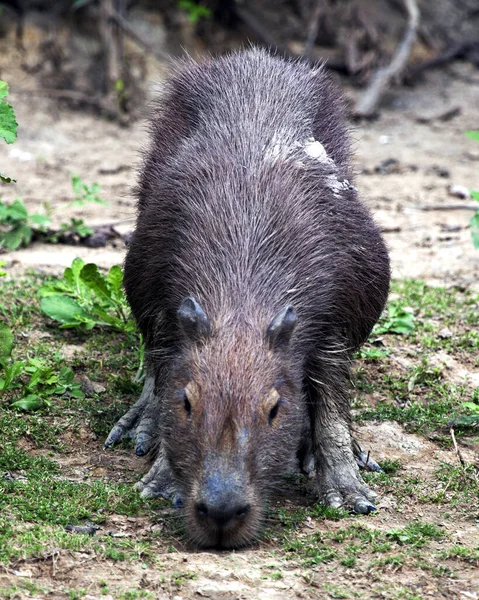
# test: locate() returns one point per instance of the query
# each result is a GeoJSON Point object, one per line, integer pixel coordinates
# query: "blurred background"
{"type": "Point", "coordinates": [83, 72]}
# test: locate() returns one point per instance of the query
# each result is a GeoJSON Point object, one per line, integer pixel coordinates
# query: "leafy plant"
{"type": "Point", "coordinates": [8, 123]}
{"type": "Point", "coordinates": [194, 10]}
{"type": "Point", "coordinates": [85, 298]}
{"type": "Point", "coordinates": [474, 222]}
{"type": "Point", "coordinates": [35, 380]}
{"type": "Point", "coordinates": [84, 193]}
{"type": "Point", "coordinates": [75, 227]}
{"type": "Point", "coordinates": [17, 226]}
{"type": "Point", "coordinates": [399, 319]}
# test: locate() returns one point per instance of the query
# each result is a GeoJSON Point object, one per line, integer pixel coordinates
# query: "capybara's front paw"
{"type": "Point", "coordinates": [344, 488]}
{"type": "Point", "coordinates": [138, 423]}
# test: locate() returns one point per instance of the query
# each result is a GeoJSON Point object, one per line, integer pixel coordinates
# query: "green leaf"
{"type": "Point", "coordinates": [92, 277]}
{"type": "Point", "coordinates": [17, 211]}
{"type": "Point", "coordinates": [6, 343]}
{"type": "Point", "coordinates": [66, 376]}
{"type": "Point", "coordinates": [11, 239]}
{"type": "Point", "coordinates": [8, 123]}
{"type": "Point", "coordinates": [472, 406]}
{"type": "Point", "coordinates": [3, 89]}
{"type": "Point", "coordinates": [29, 403]}
{"type": "Point", "coordinates": [115, 281]}
{"type": "Point", "coordinates": [473, 135]}
{"type": "Point", "coordinates": [12, 373]}
{"type": "Point", "coordinates": [65, 310]}
{"type": "Point", "coordinates": [40, 220]}
{"type": "Point", "coordinates": [474, 223]}
{"type": "Point", "coordinates": [466, 421]}
{"type": "Point", "coordinates": [6, 179]}
{"type": "Point", "coordinates": [474, 194]}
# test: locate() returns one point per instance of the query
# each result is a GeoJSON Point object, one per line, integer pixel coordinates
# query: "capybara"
{"type": "Point", "coordinates": [254, 274]}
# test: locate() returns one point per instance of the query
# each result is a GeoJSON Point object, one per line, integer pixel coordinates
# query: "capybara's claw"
{"type": "Point", "coordinates": [144, 443]}
{"type": "Point", "coordinates": [363, 507]}
{"type": "Point", "coordinates": [115, 435]}
{"type": "Point", "coordinates": [364, 461]}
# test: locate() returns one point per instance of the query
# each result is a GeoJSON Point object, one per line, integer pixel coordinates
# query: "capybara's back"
{"type": "Point", "coordinates": [254, 273]}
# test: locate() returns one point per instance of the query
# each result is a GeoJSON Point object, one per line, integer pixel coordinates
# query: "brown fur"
{"type": "Point", "coordinates": [235, 213]}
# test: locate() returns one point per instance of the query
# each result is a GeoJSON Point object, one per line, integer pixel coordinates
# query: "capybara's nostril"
{"type": "Point", "coordinates": [201, 509]}
{"type": "Point", "coordinates": [243, 511]}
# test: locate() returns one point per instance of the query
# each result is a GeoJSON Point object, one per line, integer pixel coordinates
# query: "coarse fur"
{"type": "Point", "coordinates": [246, 207]}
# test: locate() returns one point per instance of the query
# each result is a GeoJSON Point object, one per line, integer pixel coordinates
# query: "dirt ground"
{"type": "Point", "coordinates": [406, 161]}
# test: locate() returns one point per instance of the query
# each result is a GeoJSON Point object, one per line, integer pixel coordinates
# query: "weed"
{"type": "Point", "coordinates": [195, 10]}
{"type": "Point", "coordinates": [398, 319]}
{"type": "Point", "coordinates": [84, 193]}
{"type": "Point", "coordinates": [474, 222]}
{"type": "Point", "coordinates": [84, 298]}
{"type": "Point", "coordinates": [8, 123]}
{"type": "Point", "coordinates": [18, 227]}
{"type": "Point", "coordinates": [416, 534]}
{"type": "Point", "coordinates": [30, 384]}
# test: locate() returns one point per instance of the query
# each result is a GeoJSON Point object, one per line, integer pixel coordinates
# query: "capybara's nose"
{"type": "Point", "coordinates": [223, 514]}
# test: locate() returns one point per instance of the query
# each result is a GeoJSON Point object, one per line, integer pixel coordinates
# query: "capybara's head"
{"type": "Point", "coordinates": [232, 420]}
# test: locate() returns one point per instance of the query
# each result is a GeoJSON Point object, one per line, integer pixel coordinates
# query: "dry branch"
{"type": "Point", "coordinates": [313, 28]}
{"type": "Point", "coordinates": [456, 447]}
{"type": "Point", "coordinates": [368, 103]}
{"type": "Point", "coordinates": [473, 207]}
{"type": "Point", "coordinates": [128, 30]}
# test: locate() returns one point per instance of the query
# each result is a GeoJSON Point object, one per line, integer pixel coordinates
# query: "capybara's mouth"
{"type": "Point", "coordinates": [237, 533]}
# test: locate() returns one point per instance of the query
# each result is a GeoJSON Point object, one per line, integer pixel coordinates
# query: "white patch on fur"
{"type": "Point", "coordinates": [281, 148]}
{"type": "Point", "coordinates": [315, 149]}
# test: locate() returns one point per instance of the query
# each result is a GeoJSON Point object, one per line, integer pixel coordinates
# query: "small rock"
{"type": "Point", "coordinates": [459, 191]}
{"type": "Point", "coordinates": [445, 113]}
{"type": "Point", "coordinates": [111, 169]}
{"type": "Point", "coordinates": [88, 529]}
{"type": "Point", "coordinates": [390, 165]}
{"type": "Point", "coordinates": [440, 171]}
{"type": "Point", "coordinates": [445, 333]}
{"type": "Point", "coordinates": [89, 387]}
{"type": "Point", "coordinates": [385, 139]}
{"type": "Point", "coordinates": [26, 573]}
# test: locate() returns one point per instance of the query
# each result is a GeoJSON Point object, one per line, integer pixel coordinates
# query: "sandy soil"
{"type": "Point", "coordinates": [425, 159]}
{"type": "Point", "coordinates": [55, 142]}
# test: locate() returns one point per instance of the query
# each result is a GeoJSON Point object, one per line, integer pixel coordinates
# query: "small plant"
{"type": "Point", "coordinates": [17, 226]}
{"type": "Point", "coordinates": [194, 10]}
{"type": "Point", "coordinates": [85, 298]}
{"type": "Point", "coordinates": [8, 123]}
{"type": "Point", "coordinates": [84, 193]}
{"type": "Point", "coordinates": [30, 384]}
{"type": "Point", "coordinates": [474, 222]}
{"type": "Point", "coordinates": [399, 319]}
{"type": "Point", "coordinates": [76, 227]}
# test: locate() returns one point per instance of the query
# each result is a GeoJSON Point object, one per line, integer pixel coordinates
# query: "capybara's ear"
{"type": "Point", "coordinates": [193, 320]}
{"type": "Point", "coordinates": [281, 328]}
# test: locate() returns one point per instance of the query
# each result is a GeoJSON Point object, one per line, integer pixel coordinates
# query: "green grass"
{"type": "Point", "coordinates": [43, 494]}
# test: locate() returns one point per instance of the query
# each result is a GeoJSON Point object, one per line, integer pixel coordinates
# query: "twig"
{"type": "Point", "coordinates": [458, 452]}
{"type": "Point", "coordinates": [367, 460]}
{"type": "Point", "coordinates": [367, 104]}
{"type": "Point", "coordinates": [457, 50]}
{"type": "Point", "coordinates": [94, 101]}
{"type": "Point", "coordinates": [427, 207]}
{"type": "Point", "coordinates": [313, 29]}
{"type": "Point", "coordinates": [128, 29]}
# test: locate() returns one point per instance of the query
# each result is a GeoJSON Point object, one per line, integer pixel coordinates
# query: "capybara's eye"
{"type": "Point", "coordinates": [187, 404]}
{"type": "Point", "coordinates": [273, 413]}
